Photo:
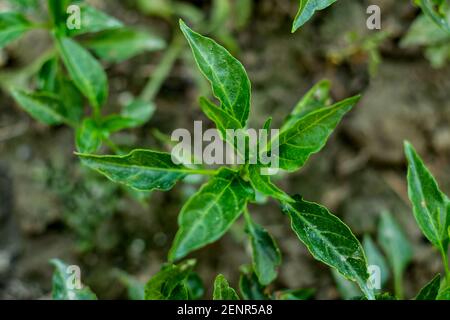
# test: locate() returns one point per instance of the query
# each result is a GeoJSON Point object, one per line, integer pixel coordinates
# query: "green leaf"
{"type": "Point", "coordinates": [12, 26]}
{"type": "Point", "coordinates": [143, 170]}
{"type": "Point", "coordinates": [122, 44]}
{"type": "Point", "coordinates": [46, 78]}
{"type": "Point", "coordinates": [135, 288]}
{"type": "Point", "coordinates": [63, 279]}
{"type": "Point", "coordinates": [329, 240]}
{"type": "Point", "coordinates": [227, 75]}
{"type": "Point", "coordinates": [51, 79]}
{"type": "Point", "coordinates": [310, 134]}
{"type": "Point", "coordinates": [222, 120]}
{"type": "Point", "coordinates": [24, 5]}
{"type": "Point", "coordinates": [222, 290]}
{"type": "Point", "coordinates": [266, 255]}
{"type": "Point", "coordinates": [429, 204]}
{"type": "Point", "coordinates": [73, 100]}
{"type": "Point", "coordinates": [439, 18]}
{"type": "Point", "coordinates": [316, 98]}
{"type": "Point", "coordinates": [139, 111]}
{"type": "Point", "coordinates": [376, 258]}
{"type": "Point", "coordinates": [431, 290]}
{"type": "Point", "coordinates": [169, 282]}
{"type": "Point", "coordinates": [444, 294]}
{"type": "Point", "coordinates": [89, 136]}
{"type": "Point", "coordinates": [395, 244]}
{"type": "Point", "coordinates": [298, 294]}
{"type": "Point", "coordinates": [181, 292]}
{"type": "Point", "coordinates": [134, 115]}
{"type": "Point", "coordinates": [263, 184]}
{"type": "Point", "coordinates": [116, 123]}
{"type": "Point", "coordinates": [347, 289]}
{"type": "Point", "coordinates": [423, 32]}
{"type": "Point", "coordinates": [42, 106]}
{"type": "Point", "coordinates": [86, 72]}
{"type": "Point", "coordinates": [209, 214]}
{"type": "Point", "coordinates": [93, 20]}
{"type": "Point", "coordinates": [250, 287]}
{"type": "Point", "coordinates": [195, 286]}
{"type": "Point", "coordinates": [307, 10]}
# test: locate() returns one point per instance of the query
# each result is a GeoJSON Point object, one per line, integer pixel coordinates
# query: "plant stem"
{"type": "Point", "coordinates": [162, 71]}
{"type": "Point", "coordinates": [398, 286]}
{"type": "Point", "coordinates": [203, 172]}
{"type": "Point", "coordinates": [446, 267]}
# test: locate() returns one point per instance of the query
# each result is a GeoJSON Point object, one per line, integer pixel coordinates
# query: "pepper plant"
{"type": "Point", "coordinates": [68, 72]}
{"type": "Point", "coordinates": [210, 213]}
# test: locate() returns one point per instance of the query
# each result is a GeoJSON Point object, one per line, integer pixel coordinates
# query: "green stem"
{"type": "Point", "coordinates": [446, 266]}
{"type": "Point", "coordinates": [162, 71]}
{"type": "Point", "coordinates": [398, 286]}
{"type": "Point", "coordinates": [202, 172]}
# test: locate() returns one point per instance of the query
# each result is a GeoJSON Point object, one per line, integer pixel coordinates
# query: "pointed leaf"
{"type": "Point", "coordinates": [310, 134]}
{"type": "Point", "coordinates": [307, 10]}
{"type": "Point", "coordinates": [223, 122]}
{"type": "Point", "coordinates": [394, 243]}
{"type": "Point", "coordinates": [444, 294]}
{"type": "Point", "coordinates": [228, 77]}
{"type": "Point", "coordinates": [143, 170]}
{"type": "Point", "coordinates": [86, 72]}
{"type": "Point", "coordinates": [72, 101]}
{"type": "Point", "coordinates": [250, 287]}
{"type": "Point", "coordinates": [63, 280]}
{"type": "Point", "coordinates": [376, 258]}
{"type": "Point", "coordinates": [123, 44]}
{"type": "Point", "coordinates": [316, 98]}
{"type": "Point", "coordinates": [42, 106]}
{"type": "Point", "coordinates": [46, 78]}
{"type": "Point", "coordinates": [89, 136]}
{"type": "Point", "coordinates": [263, 184]}
{"type": "Point", "coordinates": [222, 290]}
{"type": "Point", "coordinates": [329, 240]}
{"type": "Point", "coordinates": [140, 111]}
{"type": "Point", "coordinates": [12, 26]}
{"type": "Point", "coordinates": [429, 203]}
{"type": "Point", "coordinates": [347, 289]}
{"type": "Point", "coordinates": [195, 286]}
{"type": "Point", "coordinates": [299, 294]}
{"type": "Point", "coordinates": [166, 284]}
{"type": "Point", "coordinates": [440, 19]}
{"type": "Point", "coordinates": [208, 215]}
{"type": "Point", "coordinates": [431, 290]}
{"type": "Point", "coordinates": [93, 20]}
{"type": "Point", "coordinates": [266, 255]}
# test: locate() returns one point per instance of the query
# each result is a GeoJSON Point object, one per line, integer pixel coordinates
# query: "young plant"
{"type": "Point", "coordinates": [210, 213]}
{"type": "Point", "coordinates": [67, 72]}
